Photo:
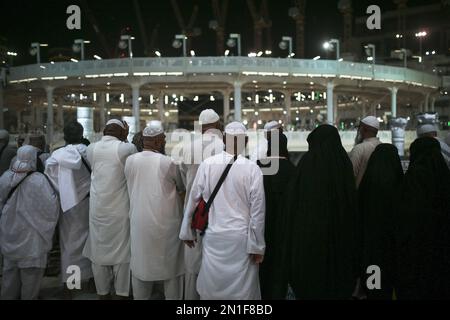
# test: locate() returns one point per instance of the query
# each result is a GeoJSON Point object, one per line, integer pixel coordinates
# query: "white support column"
{"type": "Point", "coordinates": [19, 119]}
{"type": "Point", "coordinates": [85, 116]}
{"type": "Point", "coordinates": [238, 101]}
{"type": "Point", "coordinates": [60, 113]}
{"type": "Point", "coordinates": [335, 110]}
{"type": "Point", "coordinates": [50, 125]}
{"type": "Point", "coordinates": [364, 111]}
{"type": "Point", "coordinates": [226, 106]}
{"type": "Point", "coordinates": [161, 109]}
{"type": "Point", "coordinates": [2, 106]}
{"type": "Point", "coordinates": [288, 105]}
{"type": "Point", "coordinates": [136, 106]}
{"type": "Point", "coordinates": [102, 103]}
{"type": "Point", "coordinates": [394, 91]}
{"type": "Point", "coordinates": [38, 115]}
{"type": "Point", "coordinates": [432, 104]}
{"type": "Point", "coordinates": [330, 100]}
{"type": "Point", "coordinates": [427, 102]}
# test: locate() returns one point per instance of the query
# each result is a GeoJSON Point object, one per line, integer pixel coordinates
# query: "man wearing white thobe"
{"type": "Point", "coordinates": [260, 152]}
{"type": "Point", "coordinates": [366, 143]}
{"type": "Point", "coordinates": [29, 211]}
{"type": "Point", "coordinates": [233, 245]}
{"type": "Point", "coordinates": [156, 213]}
{"type": "Point", "coordinates": [108, 243]}
{"type": "Point", "coordinates": [431, 130]}
{"type": "Point", "coordinates": [203, 146]}
{"type": "Point", "coordinates": [69, 172]}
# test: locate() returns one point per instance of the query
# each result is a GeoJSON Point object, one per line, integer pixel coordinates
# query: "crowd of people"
{"type": "Point", "coordinates": [127, 215]}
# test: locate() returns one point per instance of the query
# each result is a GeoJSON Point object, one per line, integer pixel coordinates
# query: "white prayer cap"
{"type": "Point", "coordinates": [272, 125]}
{"type": "Point", "coordinates": [371, 121]}
{"type": "Point", "coordinates": [235, 128]}
{"type": "Point", "coordinates": [115, 121]}
{"type": "Point", "coordinates": [154, 128]}
{"type": "Point", "coordinates": [208, 116]}
{"type": "Point", "coordinates": [426, 128]}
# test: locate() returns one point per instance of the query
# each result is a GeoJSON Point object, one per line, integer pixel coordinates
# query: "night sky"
{"type": "Point", "coordinates": [25, 21]}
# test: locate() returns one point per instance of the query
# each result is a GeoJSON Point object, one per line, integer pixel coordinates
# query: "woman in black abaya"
{"type": "Point", "coordinates": [276, 188]}
{"type": "Point", "coordinates": [378, 195]}
{"type": "Point", "coordinates": [322, 242]}
{"type": "Point", "coordinates": [423, 234]}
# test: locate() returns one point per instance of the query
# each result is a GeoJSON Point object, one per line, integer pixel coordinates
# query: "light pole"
{"type": "Point", "coordinates": [35, 50]}
{"type": "Point", "coordinates": [11, 56]}
{"type": "Point", "coordinates": [421, 35]}
{"type": "Point", "coordinates": [180, 41]}
{"type": "Point", "coordinates": [371, 52]}
{"type": "Point", "coordinates": [234, 39]}
{"type": "Point", "coordinates": [329, 46]}
{"type": "Point", "coordinates": [405, 57]}
{"type": "Point", "coordinates": [123, 44]}
{"type": "Point", "coordinates": [286, 43]}
{"type": "Point", "coordinates": [78, 46]}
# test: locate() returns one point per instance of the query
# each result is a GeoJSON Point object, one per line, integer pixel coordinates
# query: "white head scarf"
{"type": "Point", "coordinates": [26, 160]}
{"type": "Point", "coordinates": [371, 121]}
{"type": "Point", "coordinates": [272, 125]}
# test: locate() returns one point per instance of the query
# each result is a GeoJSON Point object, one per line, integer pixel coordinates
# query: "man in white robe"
{"type": "Point", "coordinates": [108, 243]}
{"type": "Point", "coordinates": [260, 152]}
{"type": "Point", "coordinates": [70, 173]}
{"type": "Point", "coordinates": [154, 186]}
{"type": "Point", "coordinates": [29, 212]}
{"type": "Point", "coordinates": [233, 245]}
{"type": "Point", "coordinates": [366, 143]}
{"type": "Point", "coordinates": [203, 146]}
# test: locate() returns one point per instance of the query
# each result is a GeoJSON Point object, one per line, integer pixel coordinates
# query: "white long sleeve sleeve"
{"type": "Point", "coordinates": [256, 243]}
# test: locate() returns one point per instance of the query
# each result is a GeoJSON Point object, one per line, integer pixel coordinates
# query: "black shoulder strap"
{"type": "Point", "coordinates": [219, 184]}
{"type": "Point", "coordinates": [86, 164]}
{"type": "Point", "coordinates": [11, 192]}
{"type": "Point", "coordinates": [3, 149]}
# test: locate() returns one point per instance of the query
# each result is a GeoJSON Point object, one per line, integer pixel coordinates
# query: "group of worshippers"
{"type": "Point", "coordinates": [355, 226]}
{"type": "Point", "coordinates": [125, 215]}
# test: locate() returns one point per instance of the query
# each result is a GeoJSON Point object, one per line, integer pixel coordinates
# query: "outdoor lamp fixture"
{"type": "Point", "coordinates": [329, 45]}
{"type": "Point", "coordinates": [235, 39]}
{"type": "Point", "coordinates": [286, 43]}
{"type": "Point", "coordinates": [126, 42]}
{"type": "Point", "coordinates": [370, 52]}
{"type": "Point", "coordinates": [180, 41]}
{"type": "Point", "coordinates": [420, 35]}
{"type": "Point", "coordinates": [11, 56]}
{"type": "Point", "coordinates": [35, 50]}
{"type": "Point", "coordinates": [78, 47]}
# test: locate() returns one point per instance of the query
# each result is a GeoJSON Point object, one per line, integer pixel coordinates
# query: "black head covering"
{"type": "Point", "coordinates": [322, 221]}
{"type": "Point", "coordinates": [423, 235]}
{"type": "Point", "coordinates": [377, 197]}
{"type": "Point", "coordinates": [282, 146]}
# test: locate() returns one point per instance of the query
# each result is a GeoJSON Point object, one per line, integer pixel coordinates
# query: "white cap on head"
{"type": "Point", "coordinates": [115, 121]}
{"type": "Point", "coordinates": [208, 116]}
{"type": "Point", "coordinates": [371, 121]}
{"type": "Point", "coordinates": [235, 128]}
{"type": "Point", "coordinates": [426, 128]}
{"type": "Point", "coordinates": [154, 128]}
{"type": "Point", "coordinates": [272, 125]}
